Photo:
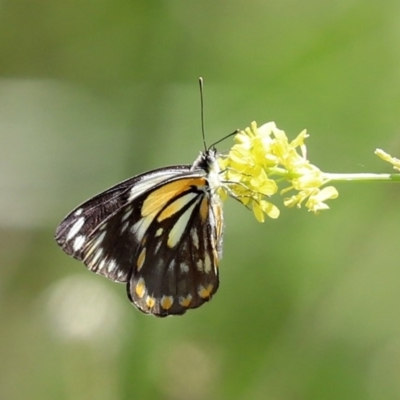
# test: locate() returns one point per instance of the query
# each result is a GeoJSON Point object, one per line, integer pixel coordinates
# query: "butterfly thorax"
{"type": "Point", "coordinates": [207, 161]}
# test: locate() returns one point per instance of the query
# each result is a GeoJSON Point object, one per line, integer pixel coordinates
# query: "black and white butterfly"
{"type": "Point", "coordinates": [159, 232]}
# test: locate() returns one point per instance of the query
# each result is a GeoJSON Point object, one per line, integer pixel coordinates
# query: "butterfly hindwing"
{"type": "Point", "coordinates": [177, 264]}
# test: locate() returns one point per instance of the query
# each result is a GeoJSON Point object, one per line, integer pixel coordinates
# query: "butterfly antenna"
{"type": "Point", "coordinates": [201, 84]}
{"type": "Point", "coordinates": [226, 137]}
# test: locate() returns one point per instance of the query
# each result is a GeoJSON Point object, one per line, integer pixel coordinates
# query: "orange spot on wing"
{"type": "Point", "coordinates": [141, 258]}
{"type": "Point", "coordinates": [177, 205]}
{"type": "Point", "coordinates": [204, 293]}
{"type": "Point", "coordinates": [150, 301]}
{"type": "Point", "coordinates": [166, 302]}
{"type": "Point", "coordinates": [165, 193]}
{"type": "Point", "coordinates": [185, 301]}
{"type": "Point", "coordinates": [140, 288]}
{"type": "Point", "coordinates": [204, 209]}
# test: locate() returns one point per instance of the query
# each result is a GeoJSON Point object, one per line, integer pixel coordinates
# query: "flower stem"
{"type": "Point", "coordinates": [362, 177]}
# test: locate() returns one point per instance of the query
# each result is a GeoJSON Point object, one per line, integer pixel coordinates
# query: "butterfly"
{"type": "Point", "coordinates": [160, 233]}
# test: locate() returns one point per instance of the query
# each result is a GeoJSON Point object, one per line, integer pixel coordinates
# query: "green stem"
{"type": "Point", "coordinates": [362, 177]}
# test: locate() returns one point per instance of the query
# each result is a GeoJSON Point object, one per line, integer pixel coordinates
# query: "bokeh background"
{"type": "Point", "coordinates": [93, 92]}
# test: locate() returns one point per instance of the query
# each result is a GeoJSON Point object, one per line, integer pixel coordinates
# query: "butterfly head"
{"type": "Point", "coordinates": [207, 160]}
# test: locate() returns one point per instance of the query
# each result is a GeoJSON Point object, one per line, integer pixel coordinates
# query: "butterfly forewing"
{"type": "Point", "coordinates": [73, 232]}
{"type": "Point", "coordinates": [161, 232]}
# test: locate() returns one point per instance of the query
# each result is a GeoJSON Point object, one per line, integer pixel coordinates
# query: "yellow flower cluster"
{"type": "Point", "coordinates": [261, 160]}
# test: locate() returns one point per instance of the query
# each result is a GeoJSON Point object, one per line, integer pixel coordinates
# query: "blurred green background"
{"type": "Point", "coordinates": [93, 92]}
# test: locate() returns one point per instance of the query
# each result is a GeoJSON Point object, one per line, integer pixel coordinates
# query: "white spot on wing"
{"type": "Point", "coordinates": [75, 228]}
{"type": "Point", "coordinates": [180, 226]}
{"type": "Point", "coordinates": [78, 212]}
{"type": "Point", "coordinates": [111, 265]}
{"type": "Point", "coordinates": [79, 242]}
{"type": "Point", "coordinates": [149, 182]}
{"type": "Point", "coordinates": [96, 256]}
{"type": "Point", "coordinates": [171, 266]}
{"type": "Point", "coordinates": [207, 264]}
{"type": "Point", "coordinates": [101, 265]}
{"type": "Point", "coordinates": [184, 268]}
{"type": "Point", "coordinates": [127, 214]}
{"type": "Point", "coordinates": [94, 246]}
{"type": "Point", "coordinates": [158, 245]}
{"type": "Point", "coordinates": [159, 231]}
{"type": "Point", "coordinates": [200, 266]}
{"type": "Point", "coordinates": [103, 227]}
{"type": "Point", "coordinates": [123, 229]}
{"type": "Point", "coordinates": [139, 229]}
{"type": "Point", "coordinates": [195, 238]}
{"type": "Point", "coordinates": [99, 239]}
